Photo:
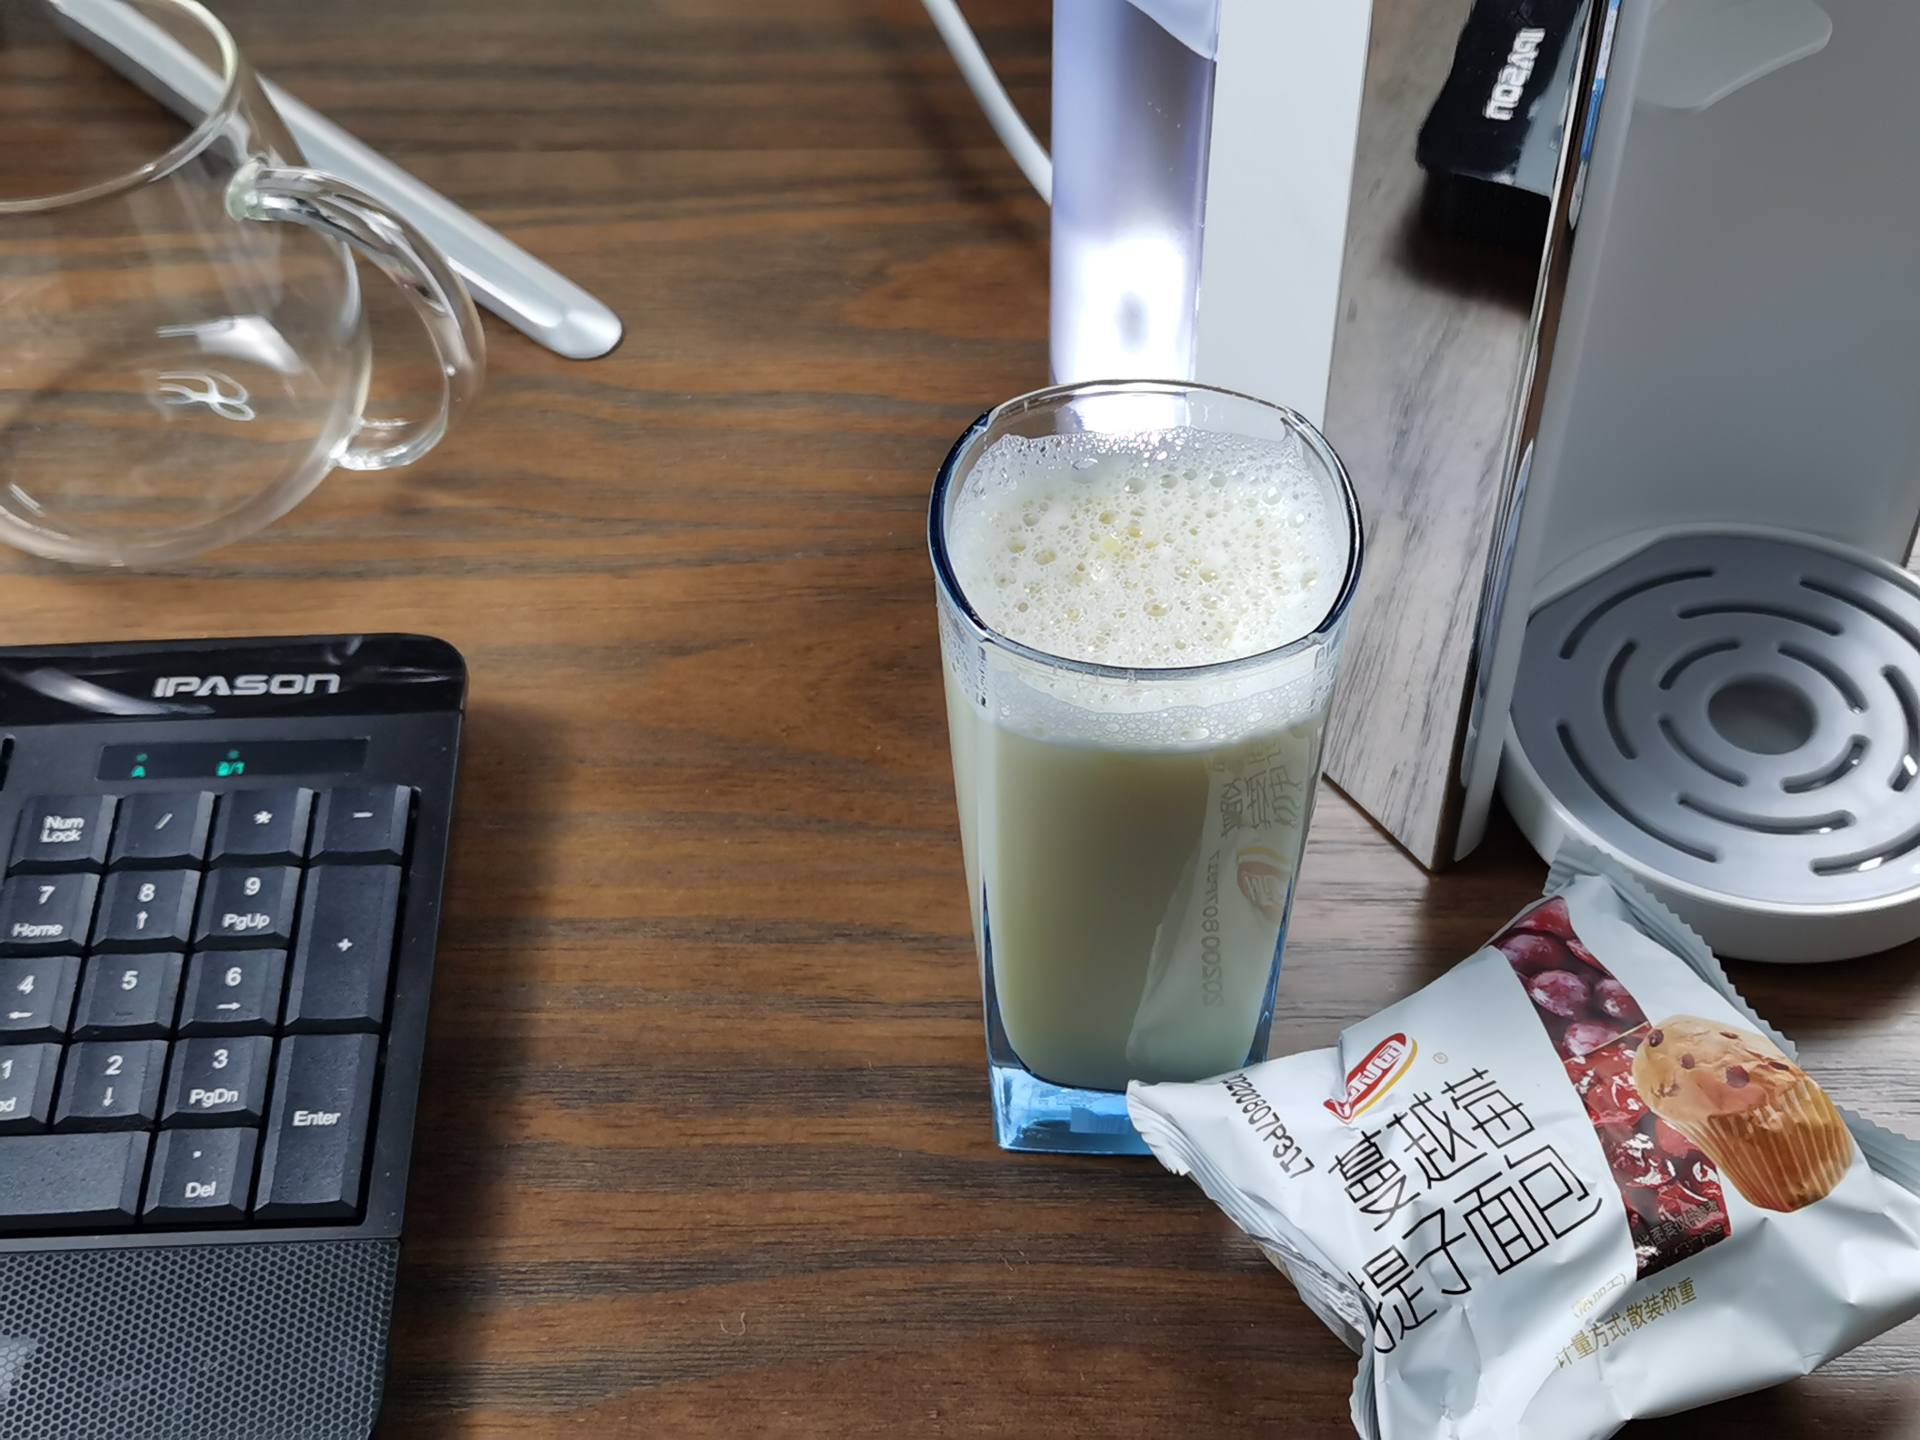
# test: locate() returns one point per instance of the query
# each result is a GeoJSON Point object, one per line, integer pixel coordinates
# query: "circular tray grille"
{"type": "Point", "coordinates": [1740, 714]}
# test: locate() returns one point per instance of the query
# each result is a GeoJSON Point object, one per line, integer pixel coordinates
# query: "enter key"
{"type": "Point", "coordinates": [318, 1130]}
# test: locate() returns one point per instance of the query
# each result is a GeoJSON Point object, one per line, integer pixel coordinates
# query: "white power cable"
{"type": "Point", "coordinates": [1025, 147]}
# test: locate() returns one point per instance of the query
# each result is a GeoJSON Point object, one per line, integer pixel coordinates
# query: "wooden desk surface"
{"type": "Point", "coordinates": [704, 1147]}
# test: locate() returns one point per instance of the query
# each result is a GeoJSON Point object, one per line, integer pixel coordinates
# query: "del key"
{"type": "Point", "coordinates": [318, 1129]}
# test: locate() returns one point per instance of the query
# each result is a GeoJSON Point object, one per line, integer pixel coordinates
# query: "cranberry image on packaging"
{"type": "Point", "coordinates": [1671, 1191]}
{"type": "Point", "coordinates": [1530, 954]}
{"type": "Point", "coordinates": [1583, 1037]}
{"type": "Point", "coordinates": [1580, 952]}
{"type": "Point", "coordinates": [1670, 1139]}
{"type": "Point", "coordinates": [1550, 917]}
{"type": "Point", "coordinates": [1638, 1164]}
{"type": "Point", "coordinates": [1560, 992]}
{"type": "Point", "coordinates": [1603, 1079]}
{"type": "Point", "coordinates": [1616, 1102]}
{"type": "Point", "coordinates": [1617, 1003]}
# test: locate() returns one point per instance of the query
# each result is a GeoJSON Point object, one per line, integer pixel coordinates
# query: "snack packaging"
{"type": "Point", "coordinates": [1572, 1182]}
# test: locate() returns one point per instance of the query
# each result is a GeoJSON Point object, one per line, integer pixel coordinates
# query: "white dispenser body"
{"type": "Point", "coordinates": [1716, 337]}
{"type": "Point", "coordinates": [1203, 163]}
{"type": "Point", "coordinates": [1724, 483]}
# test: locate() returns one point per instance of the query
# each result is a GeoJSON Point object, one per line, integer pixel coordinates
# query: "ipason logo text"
{"type": "Point", "coordinates": [1511, 83]}
{"type": "Point", "coordinates": [168, 686]}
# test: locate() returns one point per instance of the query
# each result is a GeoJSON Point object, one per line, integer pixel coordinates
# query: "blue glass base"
{"type": "Point", "coordinates": [1033, 1114]}
{"type": "Point", "coordinates": [1030, 1113]}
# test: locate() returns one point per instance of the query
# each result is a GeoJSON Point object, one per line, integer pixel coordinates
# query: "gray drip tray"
{"type": "Point", "coordinates": [1738, 718]}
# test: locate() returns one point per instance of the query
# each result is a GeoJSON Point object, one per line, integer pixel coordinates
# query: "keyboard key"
{"type": "Point", "coordinates": [218, 1081]}
{"type": "Point", "coordinates": [27, 1073]}
{"type": "Point", "coordinates": [201, 1177]}
{"type": "Point", "coordinates": [262, 825]}
{"type": "Point", "coordinates": [70, 1182]}
{"type": "Point", "coordinates": [146, 910]}
{"type": "Point", "coordinates": [233, 990]}
{"type": "Point", "coordinates": [345, 949]}
{"type": "Point", "coordinates": [362, 822]}
{"type": "Point", "coordinates": [317, 1138]}
{"type": "Point", "coordinates": [251, 907]}
{"type": "Point", "coordinates": [46, 912]}
{"type": "Point", "coordinates": [111, 1085]}
{"type": "Point", "coordinates": [36, 996]}
{"type": "Point", "coordinates": [63, 832]}
{"type": "Point", "coordinates": [124, 996]}
{"type": "Point", "coordinates": [163, 827]}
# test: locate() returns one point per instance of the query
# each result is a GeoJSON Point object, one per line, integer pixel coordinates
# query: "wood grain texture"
{"type": "Point", "coordinates": [704, 1144]}
{"type": "Point", "coordinates": [1427, 355]}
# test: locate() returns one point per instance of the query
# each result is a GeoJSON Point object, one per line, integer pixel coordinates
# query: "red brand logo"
{"type": "Point", "coordinates": [1378, 1073]}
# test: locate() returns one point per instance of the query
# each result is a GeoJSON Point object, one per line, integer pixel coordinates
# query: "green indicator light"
{"type": "Point", "coordinates": [141, 757]}
{"type": "Point", "coordinates": [233, 754]}
{"type": "Point", "coordinates": [224, 768]}
{"type": "Point", "coordinates": [139, 773]}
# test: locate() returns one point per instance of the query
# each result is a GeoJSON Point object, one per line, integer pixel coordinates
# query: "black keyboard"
{"type": "Point", "coordinates": [217, 926]}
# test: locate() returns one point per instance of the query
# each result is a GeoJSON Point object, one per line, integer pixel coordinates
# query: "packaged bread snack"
{"type": "Point", "coordinates": [1538, 1195]}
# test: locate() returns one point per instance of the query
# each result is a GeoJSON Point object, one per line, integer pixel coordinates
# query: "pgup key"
{"type": "Point", "coordinates": [251, 907]}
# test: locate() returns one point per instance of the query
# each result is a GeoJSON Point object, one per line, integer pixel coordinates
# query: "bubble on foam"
{"type": "Point", "coordinates": [1160, 550]}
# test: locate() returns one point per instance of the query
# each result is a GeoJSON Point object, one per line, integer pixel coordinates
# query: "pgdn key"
{"type": "Point", "coordinates": [251, 907]}
{"type": "Point", "coordinates": [218, 1081]}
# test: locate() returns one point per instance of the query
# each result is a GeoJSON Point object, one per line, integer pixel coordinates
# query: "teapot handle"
{"type": "Point", "coordinates": [309, 197]}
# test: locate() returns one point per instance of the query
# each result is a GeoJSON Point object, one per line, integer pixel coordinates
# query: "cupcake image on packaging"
{"type": "Point", "coordinates": [1759, 1117]}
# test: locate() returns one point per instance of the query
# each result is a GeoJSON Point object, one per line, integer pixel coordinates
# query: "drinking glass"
{"type": "Point", "coordinates": [185, 352]}
{"type": "Point", "coordinates": [1131, 836]}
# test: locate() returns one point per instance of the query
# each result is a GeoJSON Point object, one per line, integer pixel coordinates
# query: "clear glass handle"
{"type": "Point", "coordinates": [309, 197]}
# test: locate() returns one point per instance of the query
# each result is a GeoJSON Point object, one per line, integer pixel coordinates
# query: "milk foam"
{"type": "Point", "coordinates": [1160, 549]}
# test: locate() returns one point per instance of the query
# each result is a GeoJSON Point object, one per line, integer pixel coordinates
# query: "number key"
{"type": "Point", "coordinates": [248, 907]}
{"type": "Point", "coordinates": [111, 1085]}
{"type": "Point", "coordinates": [219, 1081]}
{"type": "Point", "coordinates": [146, 910]}
{"type": "Point", "coordinates": [36, 996]}
{"type": "Point", "coordinates": [233, 990]}
{"type": "Point", "coordinates": [26, 1086]}
{"type": "Point", "coordinates": [46, 912]}
{"type": "Point", "coordinates": [128, 995]}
